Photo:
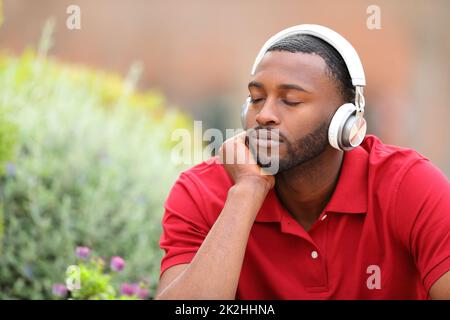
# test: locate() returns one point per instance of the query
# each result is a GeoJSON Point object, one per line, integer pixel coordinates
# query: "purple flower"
{"type": "Point", "coordinates": [142, 293]}
{"type": "Point", "coordinates": [117, 264]}
{"type": "Point", "coordinates": [129, 289]}
{"type": "Point", "coordinates": [83, 252]}
{"type": "Point", "coordinates": [59, 290]}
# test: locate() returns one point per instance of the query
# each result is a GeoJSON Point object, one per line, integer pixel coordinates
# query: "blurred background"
{"type": "Point", "coordinates": [172, 61]}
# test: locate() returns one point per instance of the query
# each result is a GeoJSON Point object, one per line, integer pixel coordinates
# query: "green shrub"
{"type": "Point", "coordinates": [8, 133]}
{"type": "Point", "coordinates": [91, 167]}
{"type": "Point", "coordinates": [90, 279]}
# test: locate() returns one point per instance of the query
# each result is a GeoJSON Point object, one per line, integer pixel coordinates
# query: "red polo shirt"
{"type": "Point", "coordinates": [384, 234]}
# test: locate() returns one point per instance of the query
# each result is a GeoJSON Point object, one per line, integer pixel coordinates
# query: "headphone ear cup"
{"type": "Point", "coordinates": [353, 132]}
{"type": "Point", "coordinates": [244, 113]}
{"type": "Point", "coordinates": [336, 129]}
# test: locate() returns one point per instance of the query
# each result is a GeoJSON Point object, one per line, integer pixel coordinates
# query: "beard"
{"type": "Point", "coordinates": [305, 148]}
{"type": "Point", "coordinates": [297, 152]}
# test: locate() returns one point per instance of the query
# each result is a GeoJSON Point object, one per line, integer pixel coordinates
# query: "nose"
{"type": "Point", "coordinates": [268, 116]}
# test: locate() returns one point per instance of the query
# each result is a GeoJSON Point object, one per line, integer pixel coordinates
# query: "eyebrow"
{"type": "Point", "coordinates": [285, 86]}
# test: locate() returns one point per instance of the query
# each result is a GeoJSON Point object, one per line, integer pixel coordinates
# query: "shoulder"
{"type": "Point", "coordinates": [407, 186]}
{"type": "Point", "coordinates": [388, 159]}
{"type": "Point", "coordinates": [208, 175]}
{"type": "Point", "coordinates": [200, 190]}
{"type": "Point", "coordinates": [388, 165]}
{"type": "Point", "coordinates": [391, 168]}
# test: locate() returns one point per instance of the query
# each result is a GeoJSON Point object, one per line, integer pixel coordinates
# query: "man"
{"type": "Point", "coordinates": [370, 223]}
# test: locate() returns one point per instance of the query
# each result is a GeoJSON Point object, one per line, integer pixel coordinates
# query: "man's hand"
{"type": "Point", "coordinates": [240, 164]}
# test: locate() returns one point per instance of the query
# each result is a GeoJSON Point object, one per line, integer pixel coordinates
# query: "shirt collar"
{"type": "Point", "coordinates": [349, 196]}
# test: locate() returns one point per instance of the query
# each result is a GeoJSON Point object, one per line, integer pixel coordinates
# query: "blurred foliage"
{"type": "Point", "coordinates": [91, 165]}
{"type": "Point", "coordinates": [95, 284]}
{"type": "Point", "coordinates": [90, 279]}
{"type": "Point", "coordinates": [8, 133]}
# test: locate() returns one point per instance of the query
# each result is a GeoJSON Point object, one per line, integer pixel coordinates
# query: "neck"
{"type": "Point", "coordinates": [306, 189]}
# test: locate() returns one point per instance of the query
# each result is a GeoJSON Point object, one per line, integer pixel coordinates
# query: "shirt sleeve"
{"type": "Point", "coordinates": [423, 219]}
{"type": "Point", "coordinates": [184, 227]}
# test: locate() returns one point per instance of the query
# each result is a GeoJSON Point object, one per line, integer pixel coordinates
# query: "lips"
{"type": "Point", "coordinates": [265, 134]}
{"type": "Point", "coordinates": [264, 143]}
{"type": "Point", "coordinates": [265, 138]}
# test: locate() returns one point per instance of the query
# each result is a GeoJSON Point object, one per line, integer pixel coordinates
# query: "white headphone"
{"type": "Point", "coordinates": [348, 126]}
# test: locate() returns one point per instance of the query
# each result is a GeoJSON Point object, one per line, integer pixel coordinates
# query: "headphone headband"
{"type": "Point", "coordinates": [344, 48]}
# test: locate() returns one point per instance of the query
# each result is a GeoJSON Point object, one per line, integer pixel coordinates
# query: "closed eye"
{"type": "Point", "coordinates": [291, 103]}
{"type": "Point", "coordinates": [255, 100]}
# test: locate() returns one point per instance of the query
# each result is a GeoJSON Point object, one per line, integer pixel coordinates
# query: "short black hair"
{"type": "Point", "coordinates": [336, 66]}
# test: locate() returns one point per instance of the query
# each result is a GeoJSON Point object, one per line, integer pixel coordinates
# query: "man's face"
{"type": "Point", "coordinates": [292, 92]}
